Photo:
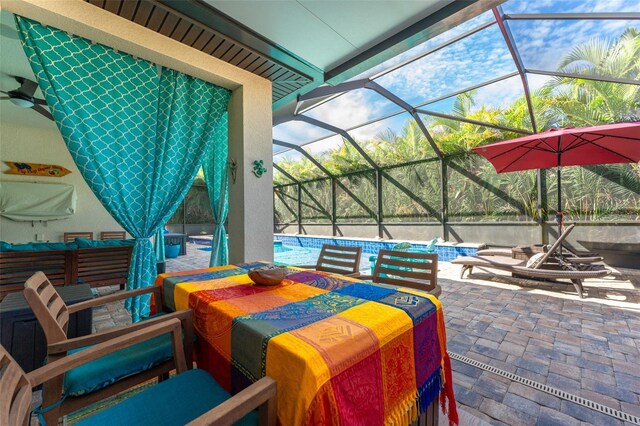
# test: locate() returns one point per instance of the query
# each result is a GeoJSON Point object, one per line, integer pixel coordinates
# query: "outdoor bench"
{"type": "Point", "coordinates": [100, 265]}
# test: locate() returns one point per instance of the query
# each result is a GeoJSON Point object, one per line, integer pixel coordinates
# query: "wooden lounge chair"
{"type": "Point", "coordinates": [111, 375]}
{"type": "Point", "coordinates": [190, 397]}
{"type": "Point", "coordinates": [540, 270]}
{"type": "Point", "coordinates": [579, 262]}
{"type": "Point", "coordinates": [69, 237]}
{"type": "Point", "coordinates": [338, 260]}
{"type": "Point", "coordinates": [568, 255]}
{"type": "Point", "coordinates": [113, 235]}
{"type": "Point", "coordinates": [407, 269]}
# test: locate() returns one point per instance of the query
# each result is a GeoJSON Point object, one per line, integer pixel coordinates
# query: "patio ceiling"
{"type": "Point", "coordinates": [298, 45]}
{"type": "Point", "coordinates": [327, 34]}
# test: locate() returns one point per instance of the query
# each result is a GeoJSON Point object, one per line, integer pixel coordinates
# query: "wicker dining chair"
{"type": "Point", "coordinates": [113, 235]}
{"type": "Point", "coordinates": [338, 260]}
{"type": "Point", "coordinates": [109, 376]}
{"type": "Point", "coordinates": [71, 236]}
{"type": "Point", "coordinates": [407, 269]}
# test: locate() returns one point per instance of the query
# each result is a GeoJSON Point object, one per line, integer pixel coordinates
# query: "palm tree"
{"type": "Point", "coordinates": [387, 147]}
{"type": "Point", "coordinates": [589, 102]}
{"type": "Point", "coordinates": [345, 159]}
{"type": "Point", "coordinates": [454, 135]}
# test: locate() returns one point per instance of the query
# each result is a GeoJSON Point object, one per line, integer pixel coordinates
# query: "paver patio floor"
{"type": "Point", "coordinates": [543, 332]}
{"type": "Point", "coordinates": [586, 347]}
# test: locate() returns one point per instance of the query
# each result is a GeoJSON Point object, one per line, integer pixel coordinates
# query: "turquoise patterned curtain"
{"type": "Point", "coordinates": [216, 176]}
{"type": "Point", "coordinates": [158, 244]}
{"type": "Point", "coordinates": [136, 132]}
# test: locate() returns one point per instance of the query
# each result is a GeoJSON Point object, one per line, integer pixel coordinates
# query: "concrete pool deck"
{"type": "Point", "coordinates": [540, 331]}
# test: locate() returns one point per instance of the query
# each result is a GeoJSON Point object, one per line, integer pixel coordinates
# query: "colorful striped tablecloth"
{"type": "Point", "coordinates": [342, 351]}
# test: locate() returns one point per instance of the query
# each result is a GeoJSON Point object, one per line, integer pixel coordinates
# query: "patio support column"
{"type": "Point", "coordinates": [444, 198]}
{"type": "Point", "coordinates": [334, 207]}
{"type": "Point", "coordinates": [250, 198]}
{"type": "Point", "coordinates": [275, 219]}
{"type": "Point", "coordinates": [379, 218]}
{"type": "Point", "coordinates": [299, 208]}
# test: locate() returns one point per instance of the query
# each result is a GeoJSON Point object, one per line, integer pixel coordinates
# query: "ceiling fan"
{"type": "Point", "coordinates": [23, 97]}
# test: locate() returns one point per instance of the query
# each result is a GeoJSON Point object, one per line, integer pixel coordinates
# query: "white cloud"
{"type": "Point", "coordinates": [345, 112]}
{"type": "Point", "coordinates": [373, 130]}
{"type": "Point", "coordinates": [289, 155]}
{"type": "Point", "coordinates": [542, 44]}
{"type": "Point", "coordinates": [429, 44]}
{"type": "Point", "coordinates": [298, 132]}
{"type": "Point", "coordinates": [470, 61]}
{"type": "Point", "coordinates": [537, 81]}
{"type": "Point", "coordinates": [324, 145]}
{"type": "Point", "coordinates": [369, 131]}
{"type": "Point", "coordinates": [500, 94]}
{"type": "Point", "coordinates": [352, 109]}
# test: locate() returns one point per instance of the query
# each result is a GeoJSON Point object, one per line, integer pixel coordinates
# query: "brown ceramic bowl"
{"type": "Point", "coordinates": [267, 275]}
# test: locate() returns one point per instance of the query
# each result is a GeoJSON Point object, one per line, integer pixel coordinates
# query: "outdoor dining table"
{"type": "Point", "coordinates": [342, 351]}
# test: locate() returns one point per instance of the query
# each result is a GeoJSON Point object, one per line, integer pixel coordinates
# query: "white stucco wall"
{"type": "Point", "coordinates": [40, 145]}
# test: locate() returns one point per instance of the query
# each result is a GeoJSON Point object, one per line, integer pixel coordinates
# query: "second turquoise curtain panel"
{"type": "Point", "coordinates": [216, 177]}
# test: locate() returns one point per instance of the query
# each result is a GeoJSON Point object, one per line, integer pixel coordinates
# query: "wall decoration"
{"type": "Point", "coordinates": [258, 168]}
{"type": "Point", "coordinates": [233, 168]}
{"type": "Point", "coordinates": [34, 169]}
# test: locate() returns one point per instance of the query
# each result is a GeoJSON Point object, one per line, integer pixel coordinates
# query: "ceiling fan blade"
{"type": "Point", "coordinates": [39, 101]}
{"type": "Point", "coordinates": [42, 111]}
{"type": "Point", "coordinates": [28, 87]}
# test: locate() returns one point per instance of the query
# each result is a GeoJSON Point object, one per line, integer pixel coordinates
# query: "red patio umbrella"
{"type": "Point", "coordinates": [607, 144]}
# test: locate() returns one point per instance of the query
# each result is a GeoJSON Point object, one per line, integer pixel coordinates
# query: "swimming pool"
{"type": "Point", "coordinates": [446, 251]}
{"type": "Point", "coordinates": [304, 250]}
{"type": "Point", "coordinates": [296, 255]}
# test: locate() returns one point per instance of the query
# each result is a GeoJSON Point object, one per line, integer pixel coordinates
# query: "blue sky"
{"type": "Point", "coordinates": [475, 59]}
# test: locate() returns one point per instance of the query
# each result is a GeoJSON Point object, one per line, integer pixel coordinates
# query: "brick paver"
{"type": "Point", "coordinates": [540, 331]}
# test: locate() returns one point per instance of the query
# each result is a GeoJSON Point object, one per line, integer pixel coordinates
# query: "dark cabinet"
{"type": "Point", "coordinates": [21, 334]}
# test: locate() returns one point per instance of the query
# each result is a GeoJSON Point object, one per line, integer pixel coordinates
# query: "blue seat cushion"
{"type": "Point", "coordinates": [4, 246]}
{"type": "Point", "coordinates": [176, 401]}
{"type": "Point", "coordinates": [126, 362]}
{"type": "Point", "coordinates": [85, 243]}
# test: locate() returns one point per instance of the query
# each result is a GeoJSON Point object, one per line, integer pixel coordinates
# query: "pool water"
{"type": "Point", "coordinates": [288, 255]}
{"type": "Point", "coordinates": [296, 255]}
